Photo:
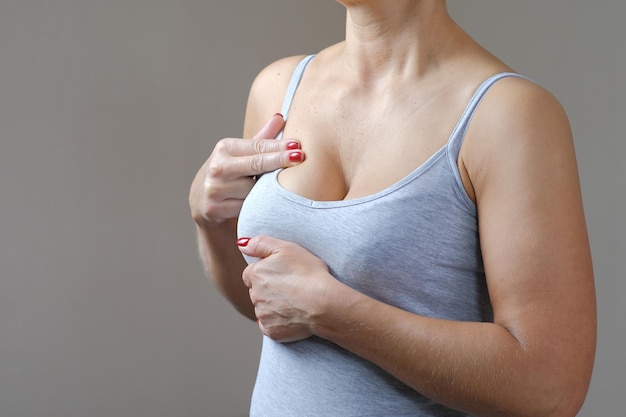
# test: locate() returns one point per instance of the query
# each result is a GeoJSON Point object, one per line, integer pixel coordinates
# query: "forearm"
{"type": "Point", "coordinates": [479, 368]}
{"type": "Point", "coordinates": [224, 264]}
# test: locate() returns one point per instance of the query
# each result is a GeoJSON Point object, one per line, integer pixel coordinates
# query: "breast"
{"type": "Point", "coordinates": [414, 246]}
{"type": "Point", "coordinates": [317, 178]}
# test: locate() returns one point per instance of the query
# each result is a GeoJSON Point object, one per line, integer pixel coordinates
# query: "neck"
{"type": "Point", "coordinates": [396, 38]}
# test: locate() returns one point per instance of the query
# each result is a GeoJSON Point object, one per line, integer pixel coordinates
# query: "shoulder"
{"type": "Point", "coordinates": [514, 102]}
{"type": "Point", "coordinates": [518, 123]}
{"type": "Point", "coordinates": [272, 81]}
{"type": "Point", "coordinates": [268, 91]}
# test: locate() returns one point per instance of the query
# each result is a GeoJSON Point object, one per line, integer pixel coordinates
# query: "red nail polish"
{"type": "Point", "coordinates": [296, 156]}
{"type": "Point", "coordinates": [292, 144]}
{"type": "Point", "coordinates": [243, 241]}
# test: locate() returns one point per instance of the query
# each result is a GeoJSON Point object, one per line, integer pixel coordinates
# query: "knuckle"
{"type": "Point", "coordinates": [212, 194]}
{"type": "Point", "coordinates": [212, 201]}
{"type": "Point", "coordinates": [260, 313]}
{"type": "Point", "coordinates": [222, 146]}
{"type": "Point", "coordinates": [263, 314]}
{"type": "Point", "coordinates": [213, 188]}
{"type": "Point", "coordinates": [215, 169]}
{"type": "Point", "coordinates": [211, 212]}
{"type": "Point", "coordinates": [260, 146]}
{"type": "Point", "coordinates": [256, 164]}
{"type": "Point", "coordinates": [247, 275]}
{"type": "Point", "coordinates": [251, 271]}
{"type": "Point", "coordinates": [206, 214]}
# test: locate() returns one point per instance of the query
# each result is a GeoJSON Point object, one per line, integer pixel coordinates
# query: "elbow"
{"type": "Point", "coordinates": [570, 401]}
{"type": "Point", "coordinates": [558, 375]}
{"type": "Point", "coordinates": [561, 396]}
{"type": "Point", "coordinates": [553, 385]}
{"type": "Point", "coordinates": [562, 407]}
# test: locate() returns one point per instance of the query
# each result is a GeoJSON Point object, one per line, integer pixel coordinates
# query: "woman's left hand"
{"type": "Point", "coordinates": [288, 286]}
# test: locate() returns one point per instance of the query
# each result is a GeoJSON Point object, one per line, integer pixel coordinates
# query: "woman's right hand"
{"type": "Point", "coordinates": [226, 178]}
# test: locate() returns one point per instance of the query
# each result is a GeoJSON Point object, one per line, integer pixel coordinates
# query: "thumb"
{"type": "Point", "coordinates": [259, 247]}
{"type": "Point", "coordinates": [272, 128]}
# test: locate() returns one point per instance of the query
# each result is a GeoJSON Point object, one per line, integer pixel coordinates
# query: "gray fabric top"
{"type": "Point", "coordinates": [413, 245]}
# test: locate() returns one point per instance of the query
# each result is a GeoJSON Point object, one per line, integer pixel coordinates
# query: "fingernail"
{"type": "Point", "coordinates": [243, 241]}
{"type": "Point", "coordinates": [296, 156]}
{"type": "Point", "coordinates": [279, 114]}
{"type": "Point", "coordinates": [292, 144]}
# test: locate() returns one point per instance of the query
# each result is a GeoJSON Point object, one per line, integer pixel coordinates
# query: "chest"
{"type": "Point", "coordinates": [356, 146]}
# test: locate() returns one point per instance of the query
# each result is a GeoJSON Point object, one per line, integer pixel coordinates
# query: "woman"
{"type": "Point", "coordinates": [417, 243]}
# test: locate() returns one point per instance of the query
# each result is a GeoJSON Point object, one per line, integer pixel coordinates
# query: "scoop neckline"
{"type": "Point", "coordinates": [296, 198]}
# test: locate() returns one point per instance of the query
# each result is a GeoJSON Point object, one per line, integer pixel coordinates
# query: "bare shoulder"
{"type": "Point", "coordinates": [517, 120]}
{"type": "Point", "coordinates": [515, 103]}
{"type": "Point", "coordinates": [521, 103]}
{"type": "Point", "coordinates": [267, 93]}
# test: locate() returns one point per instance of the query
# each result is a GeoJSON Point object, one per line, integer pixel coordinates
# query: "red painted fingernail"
{"type": "Point", "coordinates": [292, 144]}
{"type": "Point", "coordinates": [296, 156]}
{"type": "Point", "coordinates": [243, 241]}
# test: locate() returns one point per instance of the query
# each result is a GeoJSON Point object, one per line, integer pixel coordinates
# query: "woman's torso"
{"type": "Point", "coordinates": [388, 212]}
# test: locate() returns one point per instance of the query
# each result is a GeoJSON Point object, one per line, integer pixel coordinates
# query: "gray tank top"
{"type": "Point", "coordinates": [413, 245]}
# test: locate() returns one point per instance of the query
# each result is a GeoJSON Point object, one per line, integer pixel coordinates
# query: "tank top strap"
{"type": "Point", "coordinates": [293, 84]}
{"type": "Point", "coordinates": [458, 135]}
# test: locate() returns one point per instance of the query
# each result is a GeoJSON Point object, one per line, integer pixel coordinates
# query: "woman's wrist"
{"type": "Point", "coordinates": [340, 314]}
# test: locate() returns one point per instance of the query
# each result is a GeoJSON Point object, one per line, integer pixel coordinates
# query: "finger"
{"type": "Point", "coordinates": [267, 162]}
{"type": "Point", "coordinates": [227, 209]}
{"type": "Point", "coordinates": [238, 147]}
{"type": "Point", "coordinates": [272, 128]}
{"type": "Point", "coordinates": [218, 191]}
{"type": "Point", "coordinates": [237, 158]}
{"type": "Point", "coordinates": [260, 246]}
{"type": "Point", "coordinates": [246, 279]}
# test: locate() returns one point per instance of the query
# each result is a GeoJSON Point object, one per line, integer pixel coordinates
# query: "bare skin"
{"type": "Point", "coordinates": [216, 196]}
{"type": "Point", "coordinates": [384, 101]}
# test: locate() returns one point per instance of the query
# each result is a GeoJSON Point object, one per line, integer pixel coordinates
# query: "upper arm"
{"type": "Point", "coordinates": [267, 93]}
{"type": "Point", "coordinates": [521, 161]}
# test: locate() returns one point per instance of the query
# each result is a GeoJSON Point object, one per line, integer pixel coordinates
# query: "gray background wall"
{"type": "Point", "coordinates": [107, 108]}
